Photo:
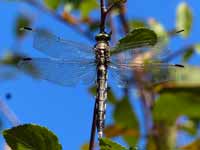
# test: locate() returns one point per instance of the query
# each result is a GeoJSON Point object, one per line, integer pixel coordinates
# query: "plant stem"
{"type": "Point", "coordinates": [124, 22]}
{"type": "Point", "coordinates": [93, 129]}
{"type": "Point", "coordinates": [113, 29]}
{"type": "Point", "coordinates": [110, 8]}
{"type": "Point", "coordinates": [103, 16]}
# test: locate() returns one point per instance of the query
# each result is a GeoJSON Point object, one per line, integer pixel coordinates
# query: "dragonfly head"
{"type": "Point", "coordinates": [102, 37]}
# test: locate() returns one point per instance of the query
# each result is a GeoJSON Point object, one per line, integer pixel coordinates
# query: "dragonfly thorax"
{"type": "Point", "coordinates": [102, 48]}
{"type": "Point", "coordinates": [102, 52]}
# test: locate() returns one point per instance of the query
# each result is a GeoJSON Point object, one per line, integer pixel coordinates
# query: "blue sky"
{"type": "Point", "coordinates": [68, 111]}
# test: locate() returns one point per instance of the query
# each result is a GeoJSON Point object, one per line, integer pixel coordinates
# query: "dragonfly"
{"type": "Point", "coordinates": [70, 63]}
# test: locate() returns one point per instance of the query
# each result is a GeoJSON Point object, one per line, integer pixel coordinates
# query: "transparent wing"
{"type": "Point", "coordinates": [129, 56]}
{"type": "Point", "coordinates": [152, 72]}
{"type": "Point", "coordinates": [65, 73]}
{"type": "Point", "coordinates": [119, 76]}
{"type": "Point", "coordinates": [161, 54]}
{"type": "Point", "coordinates": [57, 47]}
{"type": "Point", "coordinates": [7, 72]}
{"type": "Point", "coordinates": [156, 52]}
{"type": "Point", "coordinates": [156, 72]}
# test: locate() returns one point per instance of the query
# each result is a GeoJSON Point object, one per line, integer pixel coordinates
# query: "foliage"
{"type": "Point", "coordinates": [31, 137]}
{"type": "Point", "coordinates": [52, 4]}
{"type": "Point", "coordinates": [184, 18]}
{"type": "Point", "coordinates": [106, 144]}
{"type": "Point", "coordinates": [137, 38]}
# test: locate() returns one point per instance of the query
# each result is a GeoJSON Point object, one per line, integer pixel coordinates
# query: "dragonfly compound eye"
{"type": "Point", "coordinates": [102, 37]}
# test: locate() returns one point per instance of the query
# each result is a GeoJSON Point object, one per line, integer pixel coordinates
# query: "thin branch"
{"type": "Point", "coordinates": [10, 115]}
{"type": "Point", "coordinates": [93, 129]}
{"type": "Point", "coordinates": [124, 22]}
{"type": "Point", "coordinates": [146, 97]}
{"type": "Point", "coordinates": [110, 8]}
{"type": "Point", "coordinates": [113, 30]}
{"type": "Point", "coordinates": [102, 5]}
{"type": "Point", "coordinates": [59, 18]}
{"type": "Point", "coordinates": [103, 16]}
{"type": "Point", "coordinates": [104, 12]}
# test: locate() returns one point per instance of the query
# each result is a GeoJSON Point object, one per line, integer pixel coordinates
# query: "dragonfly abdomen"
{"type": "Point", "coordinates": [101, 97]}
{"type": "Point", "coordinates": [102, 59]}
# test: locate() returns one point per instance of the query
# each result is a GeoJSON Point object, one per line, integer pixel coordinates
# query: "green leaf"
{"type": "Point", "coordinates": [160, 31]}
{"type": "Point", "coordinates": [165, 138]}
{"type": "Point", "coordinates": [31, 137]}
{"type": "Point", "coordinates": [187, 76]}
{"type": "Point", "coordinates": [197, 48]}
{"type": "Point", "coordinates": [87, 6]}
{"type": "Point", "coordinates": [21, 21]}
{"type": "Point", "coordinates": [85, 146]}
{"type": "Point", "coordinates": [134, 24]}
{"type": "Point", "coordinates": [70, 5]}
{"type": "Point", "coordinates": [11, 58]}
{"type": "Point", "coordinates": [111, 97]}
{"type": "Point", "coordinates": [141, 37]}
{"type": "Point", "coordinates": [118, 130]}
{"type": "Point", "coordinates": [52, 4]}
{"type": "Point", "coordinates": [107, 144]}
{"type": "Point", "coordinates": [175, 102]}
{"type": "Point", "coordinates": [73, 2]}
{"type": "Point", "coordinates": [189, 126]}
{"type": "Point", "coordinates": [118, 1]}
{"type": "Point", "coordinates": [195, 145]}
{"type": "Point", "coordinates": [125, 117]}
{"type": "Point", "coordinates": [151, 143]}
{"type": "Point", "coordinates": [92, 90]}
{"type": "Point", "coordinates": [184, 19]}
{"type": "Point", "coordinates": [188, 54]}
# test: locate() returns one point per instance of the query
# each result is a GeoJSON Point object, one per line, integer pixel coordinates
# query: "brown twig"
{"type": "Point", "coordinates": [145, 95]}
{"type": "Point", "coordinates": [113, 30]}
{"type": "Point", "coordinates": [103, 16]}
{"type": "Point", "coordinates": [110, 7]}
{"type": "Point", "coordinates": [104, 13]}
{"type": "Point", "coordinates": [122, 17]}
